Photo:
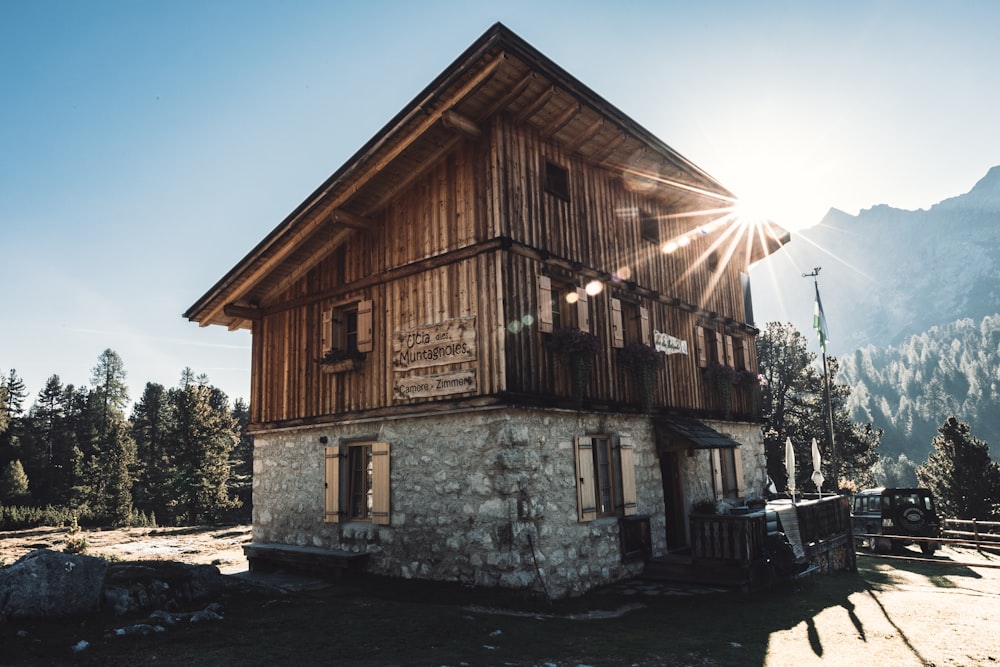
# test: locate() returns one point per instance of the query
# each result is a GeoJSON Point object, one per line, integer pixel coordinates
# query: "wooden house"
{"type": "Point", "coordinates": [508, 343]}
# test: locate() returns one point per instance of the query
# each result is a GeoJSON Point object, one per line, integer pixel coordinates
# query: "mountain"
{"type": "Point", "coordinates": [889, 275]}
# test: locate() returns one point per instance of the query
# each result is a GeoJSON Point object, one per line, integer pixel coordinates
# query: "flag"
{"type": "Point", "coordinates": [819, 322]}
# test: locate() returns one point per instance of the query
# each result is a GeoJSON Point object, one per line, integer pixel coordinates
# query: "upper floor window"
{"type": "Point", "coordinates": [629, 323]}
{"type": "Point", "coordinates": [561, 305]}
{"type": "Point", "coordinates": [556, 180]}
{"type": "Point", "coordinates": [649, 227]}
{"type": "Point", "coordinates": [347, 328]}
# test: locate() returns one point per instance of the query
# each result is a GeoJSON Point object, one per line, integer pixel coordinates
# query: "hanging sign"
{"type": "Point", "coordinates": [432, 386]}
{"type": "Point", "coordinates": [449, 342]}
{"type": "Point", "coordinates": [667, 344]}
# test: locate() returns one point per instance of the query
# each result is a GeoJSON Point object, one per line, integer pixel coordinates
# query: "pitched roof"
{"type": "Point", "coordinates": [500, 71]}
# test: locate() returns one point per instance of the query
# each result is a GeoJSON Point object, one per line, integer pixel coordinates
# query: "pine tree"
{"type": "Point", "coordinates": [151, 425]}
{"type": "Point", "coordinates": [961, 475]}
{"type": "Point", "coordinates": [12, 395]}
{"type": "Point", "coordinates": [203, 436]}
{"type": "Point", "coordinates": [241, 461]}
{"type": "Point", "coordinates": [14, 484]}
{"type": "Point", "coordinates": [113, 447]}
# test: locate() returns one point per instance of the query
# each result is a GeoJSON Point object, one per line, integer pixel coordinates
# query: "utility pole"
{"type": "Point", "coordinates": [819, 323]}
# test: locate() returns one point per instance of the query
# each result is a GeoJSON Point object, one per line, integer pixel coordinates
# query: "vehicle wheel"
{"type": "Point", "coordinates": [911, 517]}
{"type": "Point", "coordinates": [928, 548]}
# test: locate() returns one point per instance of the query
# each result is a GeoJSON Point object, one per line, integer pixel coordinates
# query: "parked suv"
{"type": "Point", "coordinates": [908, 512]}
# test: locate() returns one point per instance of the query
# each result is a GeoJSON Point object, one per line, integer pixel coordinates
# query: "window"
{"type": "Point", "coordinates": [649, 227]}
{"type": "Point", "coordinates": [727, 472]}
{"type": "Point", "coordinates": [561, 304]}
{"type": "Point", "coordinates": [605, 471]}
{"type": "Point", "coordinates": [357, 483]}
{"type": "Point", "coordinates": [710, 345]}
{"type": "Point", "coordinates": [347, 328]}
{"type": "Point", "coordinates": [557, 180]}
{"type": "Point", "coordinates": [629, 323]}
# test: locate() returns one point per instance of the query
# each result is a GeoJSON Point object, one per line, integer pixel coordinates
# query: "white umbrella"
{"type": "Point", "coordinates": [790, 466]}
{"type": "Point", "coordinates": [817, 476]}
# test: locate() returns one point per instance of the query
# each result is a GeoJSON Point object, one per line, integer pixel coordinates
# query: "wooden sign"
{"type": "Point", "coordinates": [450, 342]}
{"type": "Point", "coordinates": [432, 386]}
{"type": "Point", "coordinates": [667, 344]}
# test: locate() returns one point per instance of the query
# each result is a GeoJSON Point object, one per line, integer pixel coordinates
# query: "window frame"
{"type": "Point", "coordinates": [553, 298]}
{"type": "Point", "coordinates": [342, 503]}
{"type": "Point", "coordinates": [630, 323]}
{"type": "Point", "coordinates": [556, 181]}
{"type": "Point", "coordinates": [612, 494]}
{"type": "Point", "coordinates": [347, 326]}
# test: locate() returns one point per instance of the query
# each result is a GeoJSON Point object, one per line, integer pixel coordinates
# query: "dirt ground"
{"type": "Point", "coordinates": [219, 546]}
{"type": "Point", "coordinates": [910, 610]}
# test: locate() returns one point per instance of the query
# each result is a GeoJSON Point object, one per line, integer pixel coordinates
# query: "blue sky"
{"type": "Point", "coordinates": [146, 147]}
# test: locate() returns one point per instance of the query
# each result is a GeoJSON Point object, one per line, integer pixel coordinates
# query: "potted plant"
{"type": "Point", "coordinates": [643, 361]}
{"type": "Point", "coordinates": [577, 348]}
{"type": "Point", "coordinates": [339, 361]}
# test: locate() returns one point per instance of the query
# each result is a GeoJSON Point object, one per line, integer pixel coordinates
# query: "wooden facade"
{"type": "Point", "coordinates": [504, 171]}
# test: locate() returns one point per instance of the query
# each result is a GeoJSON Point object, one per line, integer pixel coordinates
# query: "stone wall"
{"type": "Point", "coordinates": [481, 497]}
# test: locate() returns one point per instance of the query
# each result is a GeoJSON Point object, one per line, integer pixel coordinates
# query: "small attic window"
{"type": "Point", "coordinates": [650, 227]}
{"type": "Point", "coordinates": [557, 180]}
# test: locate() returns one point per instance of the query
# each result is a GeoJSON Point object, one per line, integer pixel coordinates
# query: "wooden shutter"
{"type": "Point", "coordinates": [586, 490]}
{"type": "Point", "coordinates": [582, 310]}
{"type": "Point", "coordinates": [644, 328]}
{"type": "Point", "coordinates": [730, 352]}
{"type": "Point", "coordinates": [745, 349]}
{"type": "Point", "coordinates": [720, 347]}
{"type": "Point", "coordinates": [626, 451]}
{"type": "Point", "coordinates": [380, 483]}
{"type": "Point", "coordinates": [331, 503]}
{"type": "Point", "coordinates": [700, 344]}
{"type": "Point", "coordinates": [365, 326]}
{"type": "Point", "coordinates": [326, 332]}
{"type": "Point", "coordinates": [544, 304]}
{"type": "Point", "coordinates": [716, 458]}
{"type": "Point", "coordinates": [738, 464]}
{"type": "Point", "coordinates": [617, 332]}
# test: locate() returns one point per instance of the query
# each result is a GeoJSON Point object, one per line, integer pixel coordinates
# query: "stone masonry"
{"type": "Point", "coordinates": [481, 497]}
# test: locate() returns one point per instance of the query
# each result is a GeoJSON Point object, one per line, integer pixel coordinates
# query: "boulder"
{"type": "Point", "coordinates": [51, 584]}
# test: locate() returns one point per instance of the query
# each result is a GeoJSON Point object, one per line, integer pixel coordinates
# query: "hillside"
{"type": "Point", "coordinates": [910, 299]}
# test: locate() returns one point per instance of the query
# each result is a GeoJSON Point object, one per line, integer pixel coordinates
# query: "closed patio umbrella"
{"type": "Point", "coordinates": [790, 467]}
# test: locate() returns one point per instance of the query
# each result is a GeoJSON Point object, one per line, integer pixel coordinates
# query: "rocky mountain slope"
{"type": "Point", "coordinates": [889, 277]}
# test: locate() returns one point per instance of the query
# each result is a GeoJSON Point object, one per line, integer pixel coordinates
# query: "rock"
{"type": "Point", "coordinates": [50, 584]}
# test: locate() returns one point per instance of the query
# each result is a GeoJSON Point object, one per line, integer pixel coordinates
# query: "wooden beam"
{"type": "Point", "coordinates": [560, 121]}
{"type": "Point", "coordinates": [352, 220]}
{"type": "Point", "coordinates": [533, 108]}
{"type": "Point", "coordinates": [584, 136]}
{"type": "Point", "coordinates": [511, 95]}
{"type": "Point", "coordinates": [456, 121]}
{"type": "Point", "coordinates": [242, 312]}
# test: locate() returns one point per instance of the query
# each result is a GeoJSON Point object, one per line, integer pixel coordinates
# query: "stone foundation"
{"type": "Point", "coordinates": [482, 497]}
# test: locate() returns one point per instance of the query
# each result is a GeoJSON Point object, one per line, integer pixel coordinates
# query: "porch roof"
{"type": "Point", "coordinates": [678, 433]}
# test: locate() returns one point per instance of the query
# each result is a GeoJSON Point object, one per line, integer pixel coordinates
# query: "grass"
{"type": "Point", "coordinates": [889, 613]}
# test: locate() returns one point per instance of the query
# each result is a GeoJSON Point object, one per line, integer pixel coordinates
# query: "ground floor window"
{"type": "Point", "coordinates": [727, 472]}
{"type": "Point", "coordinates": [357, 482]}
{"type": "Point", "coordinates": [605, 467]}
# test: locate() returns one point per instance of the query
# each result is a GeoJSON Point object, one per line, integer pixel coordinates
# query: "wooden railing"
{"type": "Point", "coordinates": [733, 538]}
{"type": "Point", "coordinates": [738, 538]}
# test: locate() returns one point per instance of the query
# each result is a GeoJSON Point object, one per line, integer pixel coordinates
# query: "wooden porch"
{"type": "Point", "coordinates": [733, 550]}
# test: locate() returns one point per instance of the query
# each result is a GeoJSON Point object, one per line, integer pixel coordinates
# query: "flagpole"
{"type": "Point", "coordinates": [819, 322]}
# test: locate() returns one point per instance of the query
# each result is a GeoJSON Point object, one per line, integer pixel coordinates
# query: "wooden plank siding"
{"type": "Point", "coordinates": [428, 259]}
